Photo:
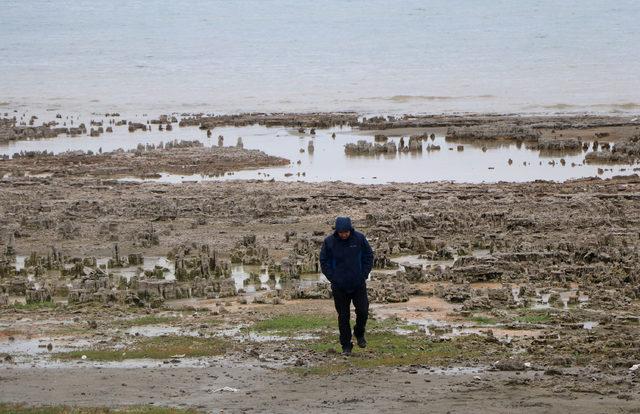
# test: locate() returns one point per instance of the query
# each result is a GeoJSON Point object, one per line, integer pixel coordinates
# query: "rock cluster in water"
{"type": "Point", "coordinates": [178, 157]}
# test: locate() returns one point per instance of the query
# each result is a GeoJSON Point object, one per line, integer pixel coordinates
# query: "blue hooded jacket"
{"type": "Point", "coordinates": [346, 263]}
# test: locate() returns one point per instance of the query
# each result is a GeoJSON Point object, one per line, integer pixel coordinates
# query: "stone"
{"type": "Point", "coordinates": [388, 287]}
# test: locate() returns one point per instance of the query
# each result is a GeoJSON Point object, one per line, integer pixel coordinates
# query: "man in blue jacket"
{"type": "Point", "coordinates": [346, 260]}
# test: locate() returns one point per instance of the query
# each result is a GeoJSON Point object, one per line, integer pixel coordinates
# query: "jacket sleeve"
{"type": "Point", "coordinates": [326, 259]}
{"type": "Point", "coordinates": [367, 258]}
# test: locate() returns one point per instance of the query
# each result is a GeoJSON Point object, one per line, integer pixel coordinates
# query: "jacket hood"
{"type": "Point", "coordinates": [343, 224]}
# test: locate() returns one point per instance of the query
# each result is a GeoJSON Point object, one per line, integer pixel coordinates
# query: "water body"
{"type": "Point", "coordinates": [328, 161]}
{"type": "Point", "coordinates": [284, 55]}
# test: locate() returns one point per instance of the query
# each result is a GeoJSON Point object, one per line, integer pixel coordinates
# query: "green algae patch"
{"type": "Point", "coordinates": [389, 349]}
{"type": "Point", "coordinates": [35, 305]}
{"type": "Point", "coordinates": [533, 317]}
{"type": "Point", "coordinates": [161, 347]}
{"type": "Point", "coordinates": [482, 320]}
{"type": "Point", "coordinates": [295, 323]}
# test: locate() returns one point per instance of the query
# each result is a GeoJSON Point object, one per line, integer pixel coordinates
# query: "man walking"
{"type": "Point", "coordinates": [346, 260]}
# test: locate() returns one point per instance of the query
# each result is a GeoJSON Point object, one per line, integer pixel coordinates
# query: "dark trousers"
{"type": "Point", "coordinates": [343, 300]}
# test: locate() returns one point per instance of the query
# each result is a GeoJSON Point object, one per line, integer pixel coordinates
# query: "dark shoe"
{"type": "Point", "coordinates": [362, 343]}
{"type": "Point", "coordinates": [347, 351]}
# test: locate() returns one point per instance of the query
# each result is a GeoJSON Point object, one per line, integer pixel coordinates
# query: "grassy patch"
{"type": "Point", "coordinates": [390, 345]}
{"type": "Point", "coordinates": [291, 324]}
{"type": "Point", "coordinates": [61, 409]}
{"type": "Point", "coordinates": [412, 328]}
{"type": "Point", "coordinates": [34, 306]}
{"type": "Point", "coordinates": [67, 330]}
{"type": "Point", "coordinates": [208, 321]}
{"type": "Point", "coordinates": [533, 317]}
{"type": "Point", "coordinates": [387, 324]}
{"type": "Point", "coordinates": [161, 347]}
{"type": "Point", "coordinates": [482, 320]}
{"type": "Point", "coordinates": [389, 349]}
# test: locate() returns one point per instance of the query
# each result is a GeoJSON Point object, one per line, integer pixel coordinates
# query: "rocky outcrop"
{"type": "Point", "coordinates": [133, 126]}
{"type": "Point", "coordinates": [38, 295]}
{"type": "Point", "coordinates": [493, 132]}
{"type": "Point", "coordinates": [247, 251]}
{"type": "Point", "coordinates": [627, 152]}
{"type": "Point", "coordinates": [314, 291]}
{"type": "Point", "coordinates": [9, 131]}
{"type": "Point", "coordinates": [305, 120]}
{"type": "Point", "coordinates": [414, 273]}
{"type": "Point", "coordinates": [305, 255]}
{"type": "Point", "coordinates": [92, 285]}
{"type": "Point", "coordinates": [213, 288]}
{"type": "Point", "coordinates": [363, 147]}
{"type": "Point", "coordinates": [561, 145]}
{"type": "Point", "coordinates": [388, 287]}
{"type": "Point", "coordinates": [163, 289]}
{"type": "Point", "coordinates": [178, 157]}
{"type": "Point", "coordinates": [507, 121]}
{"type": "Point", "coordinates": [455, 293]}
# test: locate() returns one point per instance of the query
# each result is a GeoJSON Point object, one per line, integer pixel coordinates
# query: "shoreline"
{"type": "Point", "coordinates": [597, 145]}
{"type": "Point", "coordinates": [614, 109]}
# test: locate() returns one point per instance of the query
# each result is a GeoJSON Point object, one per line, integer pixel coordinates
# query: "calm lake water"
{"type": "Point", "coordinates": [369, 56]}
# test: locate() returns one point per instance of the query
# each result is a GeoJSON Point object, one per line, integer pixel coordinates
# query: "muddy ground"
{"type": "Point", "coordinates": [276, 373]}
{"type": "Point", "coordinates": [269, 391]}
{"type": "Point", "coordinates": [487, 298]}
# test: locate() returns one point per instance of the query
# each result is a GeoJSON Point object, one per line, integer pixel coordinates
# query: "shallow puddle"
{"type": "Point", "coordinates": [239, 333]}
{"type": "Point", "coordinates": [149, 263]}
{"type": "Point", "coordinates": [451, 370]}
{"type": "Point", "coordinates": [159, 330]}
{"type": "Point", "coordinates": [417, 260]}
{"type": "Point", "coordinates": [20, 262]}
{"type": "Point", "coordinates": [215, 362]}
{"type": "Point", "coordinates": [36, 346]}
{"type": "Point", "coordinates": [253, 278]}
{"type": "Point", "coordinates": [435, 316]}
{"type": "Point", "coordinates": [567, 298]}
{"type": "Point", "coordinates": [256, 337]}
